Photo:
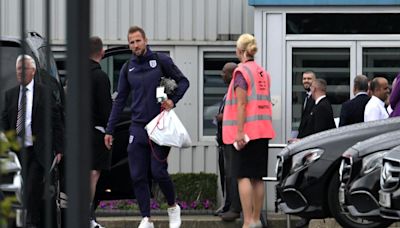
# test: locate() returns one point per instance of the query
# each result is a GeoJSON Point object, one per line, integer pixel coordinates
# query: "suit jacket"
{"type": "Point", "coordinates": [320, 119]}
{"type": "Point", "coordinates": [305, 114]}
{"type": "Point", "coordinates": [9, 120]}
{"type": "Point", "coordinates": [395, 98]}
{"type": "Point", "coordinates": [353, 110]}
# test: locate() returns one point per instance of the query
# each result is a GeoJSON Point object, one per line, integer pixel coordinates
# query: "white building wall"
{"type": "Point", "coordinates": [163, 20]}
{"type": "Point", "coordinates": [183, 26]}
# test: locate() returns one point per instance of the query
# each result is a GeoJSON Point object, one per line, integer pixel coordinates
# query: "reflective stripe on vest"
{"type": "Point", "coordinates": [248, 119]}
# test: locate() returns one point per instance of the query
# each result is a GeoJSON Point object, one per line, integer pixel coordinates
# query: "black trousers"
{"type": "Point", "coordinates": [232, 197]}
{"type": "Point", "coordinates": [33, 186]}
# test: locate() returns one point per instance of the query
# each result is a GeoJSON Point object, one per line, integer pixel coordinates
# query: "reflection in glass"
{"type": "Point", "coordinates": [382, 61]}
{"type": "Point", "coordinates": [331, 64]}
{"type": "Point", "coordinates": [342, 23]}
{"type": "Point", "coordinates": [214, 87]}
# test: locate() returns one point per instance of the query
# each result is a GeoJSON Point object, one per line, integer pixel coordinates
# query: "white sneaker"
{"type": "Point", "coordinates": [94, 224]}
{"type": "Point", "coordinates": [174, 214]}
{"type": "Point", "coordinates": [145, 223]}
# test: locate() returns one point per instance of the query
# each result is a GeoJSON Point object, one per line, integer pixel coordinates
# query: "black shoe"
{"type": "Point", "coordinates": [302, 223]}
{"type": "Point", "coordinates": [230, 216]}
{"type": "Point", "coordinates": [219, 211]}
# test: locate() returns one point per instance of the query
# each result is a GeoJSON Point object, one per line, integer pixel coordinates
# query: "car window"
{"type": "Point", "coordinates": [112, 65]}
{"type": "Point", "coordinates": [43, 63]}
{"type": "Point", "coordinates": [9, 52]}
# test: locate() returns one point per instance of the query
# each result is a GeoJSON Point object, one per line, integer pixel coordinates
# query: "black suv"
{"type": "Point", "coordinates": [115, 183]}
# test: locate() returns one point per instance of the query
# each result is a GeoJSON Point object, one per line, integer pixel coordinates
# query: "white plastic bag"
{"type": "Point", "coordinates": [167, 130]}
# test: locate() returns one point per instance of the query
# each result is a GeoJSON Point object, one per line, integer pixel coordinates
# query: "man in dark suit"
{"type": "Point", "coordinates": [321, 116]}
{"type": "Point", "coordinates": [308, 102]}
{"type": "Point", "coordinates": [24, 112]}
{"type": "Point", "coordinates": [353, 110]}
{"type": "Point", "coordinates": [232, 207]}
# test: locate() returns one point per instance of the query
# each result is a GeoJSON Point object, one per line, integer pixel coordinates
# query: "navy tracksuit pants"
{"type": "Point", "coordinates": [143, 158]}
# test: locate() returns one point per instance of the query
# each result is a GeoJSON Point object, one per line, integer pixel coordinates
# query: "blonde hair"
{"type": "Point", "coordinates": [247, 43]}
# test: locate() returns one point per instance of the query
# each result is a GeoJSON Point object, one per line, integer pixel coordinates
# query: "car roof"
{"type": "Point", "coordinates": [117, 49]}
{"type": "Point", "coordinates": [343, 137]}
{"type": "Point", "coordinates": [10, 38]}
{"type": "Point", "coordinates": [384, 141]}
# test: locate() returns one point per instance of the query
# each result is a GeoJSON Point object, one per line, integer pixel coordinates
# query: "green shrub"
{"type": "Point", "coordinates": [193, 190]}
{"type": "Point", "coordinates": [7, 141]}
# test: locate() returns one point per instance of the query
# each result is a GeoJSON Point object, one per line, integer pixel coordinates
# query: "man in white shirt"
{"type": "Point", "coordinates": [375, 108]}
{"type": "Point", "coordinates": [24, 113]}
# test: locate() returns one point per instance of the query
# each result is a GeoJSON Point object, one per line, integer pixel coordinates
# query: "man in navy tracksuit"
{"type": "Point", "coordinates": [145, 69]}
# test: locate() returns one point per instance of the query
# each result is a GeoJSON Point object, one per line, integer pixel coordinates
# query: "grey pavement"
{"type": "Point", "coordinates": [193, 221]}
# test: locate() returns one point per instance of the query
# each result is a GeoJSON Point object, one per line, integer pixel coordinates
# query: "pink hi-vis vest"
{"type": "Point", "coordinates": [258, 123]}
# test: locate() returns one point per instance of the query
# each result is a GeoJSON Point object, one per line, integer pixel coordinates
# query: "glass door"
{"type": "Point", "coordinates": [378, 58]}
{"type": "Point", "coordinates": [333, 61]}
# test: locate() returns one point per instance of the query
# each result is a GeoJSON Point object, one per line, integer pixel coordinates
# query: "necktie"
{"type": "Point", "coordinates": [305, 101]}
{"type": "Point", "coordinates": [21, 111]}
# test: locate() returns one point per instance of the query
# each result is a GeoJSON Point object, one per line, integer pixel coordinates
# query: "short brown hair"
{"type": "Point", "coordinates": [134, 29]}
{"type": "Point", "coordinates": [95, 46]}
{"type": "Point", "coordinates": [361, 83]}
{"type": "Point", "coordinates": [321, 84]}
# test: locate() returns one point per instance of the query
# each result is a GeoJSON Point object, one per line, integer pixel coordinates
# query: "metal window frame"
{"type": "Point", "coordinates": [202, 51]}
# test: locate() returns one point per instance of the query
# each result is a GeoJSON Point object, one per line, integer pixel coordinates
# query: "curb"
{"type": "Point", "coordinates": [118, 219]}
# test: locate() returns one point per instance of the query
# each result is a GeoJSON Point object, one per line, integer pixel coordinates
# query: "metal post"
{"type": "Point", "coordinates": [78, 116]}
{"type": "Point", "coordinates": [49, 215]}
{"type": "Point", "coordinates": [23, 149]}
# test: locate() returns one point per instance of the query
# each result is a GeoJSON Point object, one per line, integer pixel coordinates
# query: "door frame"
{"type": "Point", "coordinates": [352, 45]}
{"type": "Point", "coordinates": [372, 44]}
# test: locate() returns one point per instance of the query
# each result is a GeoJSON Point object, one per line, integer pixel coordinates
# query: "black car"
{"type": "Point", "coordinates": [389, 195]}
{"type": "Point", "coordinates": [116, 183]}
{"type": "Point", "coordinates": [359, 174]}
{"type": "Point", "coordinates": [307, 170]}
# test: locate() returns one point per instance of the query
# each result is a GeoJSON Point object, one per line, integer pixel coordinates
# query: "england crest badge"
{"type": "Point", "coordinates": [153, 63]}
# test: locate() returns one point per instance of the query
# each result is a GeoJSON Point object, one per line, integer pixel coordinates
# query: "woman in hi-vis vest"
{"type": "Point", "coordinates": [247, 125]}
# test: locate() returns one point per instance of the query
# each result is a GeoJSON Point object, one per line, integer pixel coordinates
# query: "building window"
{"type": "Point", "coordinates": [381, 61]}
{"type": "Point", "coordinates": [214, 87]}
{"type": "Point", "coordinates": [331, 64]}
{"type": "Point", "coordinates": [339, 23]}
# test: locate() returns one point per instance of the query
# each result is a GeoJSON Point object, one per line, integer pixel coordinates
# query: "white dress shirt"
{"type": "Point", "coordinates": [28, 114]}
{"type": "Point", "coordinates": [319, 99]}
{"type": "Point", "coordinates": [375, 110]}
